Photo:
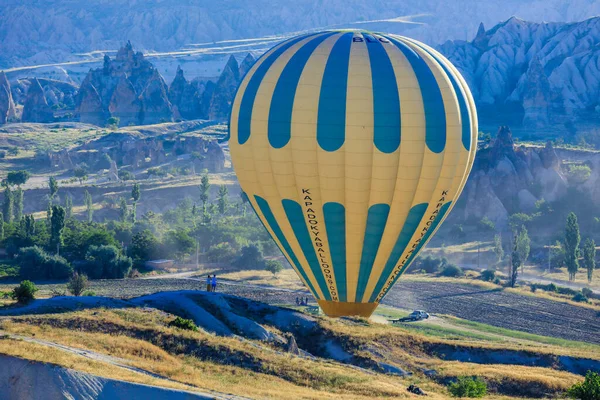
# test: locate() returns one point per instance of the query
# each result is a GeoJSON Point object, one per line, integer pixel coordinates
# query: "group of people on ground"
{"type": "Point", "coordinates": [300, 301]}
{"type": "Point", "coordinates": [211, 283]}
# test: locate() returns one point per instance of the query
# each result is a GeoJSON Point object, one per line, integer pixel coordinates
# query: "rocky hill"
{"type": "Point", "coordinates": [127, 87]}
{"type": "Point", "coordinates": [538, 74]}
{"type": "Point", "coordinates": [508, 178]}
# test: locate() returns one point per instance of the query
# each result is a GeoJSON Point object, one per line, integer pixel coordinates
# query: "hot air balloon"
{"type": "Point", "coordinates": [352, 148]}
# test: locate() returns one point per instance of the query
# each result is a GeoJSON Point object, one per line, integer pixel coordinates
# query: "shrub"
{"type": "Point", "coordinates": [125, 175]}
{"type": "Point", "coordinates": [106, 262]}
{"type": "Point", "coordinates": [453, 271]}
{"type": "Point", "coordinates": [467, 386]}
{"type": "Point", "coordinates": [89, 293]}
{"type": "Point", "coordinates": [578, 173]}
{"type": "Point", "coordinates": [77, 284]}
{"type": "Point", "coordinates": [589, 389]}
{"type": "Point", "coordinates": [251, 258]}
{"type": "Point", "coordinates": [273, 266]}
{"type": "Point", "coordinates": [431, 265]}
{"type": "Point", "coordinates": [25, 292]}
{"type": "Point", "coordinates": [183, 323]}
{"type": "Point", "coordinates": [487, 225]}
{"type": "Point", "coordinates": [580, 298]}
{"type": "Point", "coordinates": [222, 252]}
{"type": "Point", "coordinates": [587, 292]}
{"type": "Point", "coordinates": [488, 275]}
{"type": "Point", "coordinates": [37, 264]}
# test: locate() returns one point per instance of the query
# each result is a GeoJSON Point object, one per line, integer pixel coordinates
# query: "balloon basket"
{"type": "Point", "coordinates": [338, 309]}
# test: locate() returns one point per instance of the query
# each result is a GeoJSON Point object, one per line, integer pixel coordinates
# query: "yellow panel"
{"type": "Point", "coordinates": [276, 240]}
{"type": "Point", "coordinates": [259, 150]}
{"type": "Point", "coordinates": [358, 150]}
{"type": "Point", "coordinates": [301, 152]}
{"type": "Point", "coordinates": [411, 155]}
{"type": "Point", "coordinates": [439, 170]}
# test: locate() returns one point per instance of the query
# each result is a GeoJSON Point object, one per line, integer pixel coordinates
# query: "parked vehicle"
{"type": "Point", "coordinates": [416, 315]}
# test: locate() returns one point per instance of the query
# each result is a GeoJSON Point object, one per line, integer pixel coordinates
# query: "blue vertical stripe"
{"type": "Point", "coordinates": [266, 210]}
{"type": "Point", "coordinates": [335, 226]}
{"type": "Point", "coordinates": [331, 120]}
{"type": "Point", "coordinates": [465, 112]}
{"type": "Point", "coordinates": [247, 103]}
{"type": "Point", "coordinates": [295, 216]}
{"type": "Point", "coordinates": [282, 103]}
{"type": "Point", "coordinates": [413, 219]}
{"type": "Point", "coordinates": [435, 113]}
{"type": "Point", "coordinates": [443, 210]}
{"type": "Point", "coordinates": [386, 100]}
{"type": "Point", "coordinates": [376, 220]}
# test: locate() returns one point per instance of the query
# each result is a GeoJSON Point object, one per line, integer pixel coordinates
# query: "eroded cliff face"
{"type": "Point", "coordinates": [36, 108]}
{"type": "Point", "coordinates": [128, 87]}
{"type": "Point", "coordinates": [546, 73]}
{"type": "Point", "coordinates": [7, 105]}
{"type": "Point", "coordinates": [508, 179]}
{"type": "Point", "coordinates": [202, 99]}
{"type": "Point", "coordinates": [135, 150]}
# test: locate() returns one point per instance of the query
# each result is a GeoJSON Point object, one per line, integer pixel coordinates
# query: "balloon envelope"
{"type": "Point", "coordinates": [352, 148]}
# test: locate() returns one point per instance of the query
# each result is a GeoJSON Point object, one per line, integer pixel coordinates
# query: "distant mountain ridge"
{"type": "Point", "coordinates": [540, 77]}
{"type": "Point", "coordinates": [44, 31]}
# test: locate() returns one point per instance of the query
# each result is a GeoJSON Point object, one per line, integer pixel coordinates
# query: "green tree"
{"type": "Point", "coordinates": [572, 239]}
{"type": "Point", "coordinates": [81, 174]}
{"type": "Point", "coordinates": [498, 249]}
{"type": "Point", "coordinates": [515, 263]}
{"type": "Point", "coordinates": [17, 177]}
{"type": "Point", "coordinates": [135, 194]}
{"type": "Point", "coordinates": [7, 205]}
{"type": "Point", "coordinates": [204, 190]}
{"type": "Point", "coordinates": [35, 263]}
{"type": "Point", "coordinates": [250, 258]}
{"type": "Point", "coordinates": [222, 199]}
{"type": "Point", "coordinates": [106, 262]}
{"type": "Point", "coordinates": [557, 255]}
{"type": "Point", "coordinates": [523, 246]}
{"type": "Point", "coordinates": [49, 214]}
{"type": "Point", "coordinates": [468, 387]}
{"type": "Point", "coordinates": [77, 284]}
{"type": "Point", "coordinates": [53, 186]}
{"type": "Point", "coordinates": [589, 258]}
{"type": "Point", "coordinates": [18, 203]}
{"type": "Point", "coordinates": [89, 206]}
{"type": "Point", "coordinates": [1, 226]}
{"type": "Point", "coordinates": [57, 224]}
{"type": "Point", "coordinates": [68, 206]}
{"type": "Point", "coordinates": [589, 389]}
{"type": "Point", "coordinates": [113, 122]}
{"type": "Point", "coordinates": [25, 292]}
{"type": "Point", "coordinates": [29, 225]}
{"type": "Point", "coordinates": [123, 211]}
{"type": "Point", "coordinates": [178, 244]}
{"type": "Point", "coordinates": [143, 247]}
{"type": "Point", "coordinates": [273, 266]}
{"type": "Point", "coordinates": [222, 252]}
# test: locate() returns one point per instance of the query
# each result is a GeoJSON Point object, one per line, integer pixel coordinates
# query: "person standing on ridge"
{"type": "Point", "coordinates": [214, 283]}
{"type": "Point", "coordinates": [208, 283]}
